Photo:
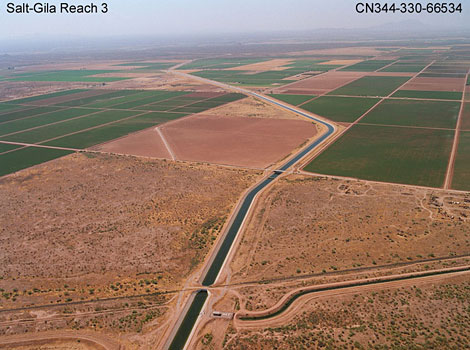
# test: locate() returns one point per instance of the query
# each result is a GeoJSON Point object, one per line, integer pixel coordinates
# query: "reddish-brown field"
{"type": "Point", "coordinates": [147, 143]}
{"type": "Point", "coordinates": [322, 83]}
{"type": "Point", "coordinates": [251, 142]}
{"type": "Point", "coordinates": [435, 84]}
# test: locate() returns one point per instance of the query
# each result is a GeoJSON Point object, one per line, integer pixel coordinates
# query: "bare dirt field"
{"type": "Point", "coordinates": [91, 225]}
{"type": "Point", "coordinates": [163, 81]}
{"type": "Point", "coordinates": [435, 84]}
{"type": "Point", "coordinates": [251, 107]}
{"type": "Point", "coordinates": [248, 142]}
{"type": "Point", "coordinates": [346, 224]}
{"type": "Point", "coordinates": [322, 83]}
{"type": "Point", "coordinates": [147, 143]}
{"type": "Point", "coordinates": [404, 315]}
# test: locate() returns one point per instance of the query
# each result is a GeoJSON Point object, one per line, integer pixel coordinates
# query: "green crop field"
{"type": "Point", "coordinates": [5, 108]}
{"type": "Point", "coordinates": [148, 65]}
{"type": "Point", "coordinates": [26, 113]}
{"type": "Point", "coordinates": [437, 95]}
{"type": "Point", "coordinates": [465, 122]}
{"type": "Point", "coordinates": [216, 63]}
{"type": "Point", "coordinates": [461, 179]}
{"type": "Point", "coordinates": [109, 132]}
{"type": "Point", "coordinates": [102, 97]}
{"type": "Point", "coordinates": [55, 130]}
{"type": "Point", "coordinates": [293, 99]}
{"type": "Point", "coordinates": [340, 109]}
{"type": "Point", "coordinates": [389, 154]}
{"type": "Point", "coordinates": [110, 103]}
{"type": "Point", "coordinates": [367, 66]}
{"type": "Point", "coordinates": [66, 75]}
{"type": "Point", "coordinates": [408, 67]}
{"type": "Point", "coordinates": [371, 86]}
{"type": "Point", "coordinates": [5, 147]}
{"type": "Point", "coordinates": [26, 157]}
{"type": "Point", "coordinates": [53, 117]}
{"type": "Point", "coordinates": [435, 114]}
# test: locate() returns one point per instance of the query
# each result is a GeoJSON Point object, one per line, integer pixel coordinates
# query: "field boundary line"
{"type": "Point", "coordinates": [91, 128]}
{"type": "Point", "coordinates": [341, 133]}
{"type": "Point", "coordinates": [308, 173]}
{"type": "Point", "coordinates": [53, 123]}
{"type": "Point", "coordinates": [167, 146]}
{"type": "Point", "coordinates": [60, 109]}
{"type": "Point", "coordinates": [400, 98]}
{"type": "Point", "coordinates": [37, 145]}
{"type": "Point", "coordinates": [406, 126]}
{"type": "Point", "coordinates": [453, 154]}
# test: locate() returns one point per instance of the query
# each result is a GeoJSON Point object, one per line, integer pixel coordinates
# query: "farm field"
{"type": "Point", "coordinates": [320, 84]}
{"type": "Point", "coordinates": [293, 99]}
{"type": "Point", "coordinates": [371, 86]}
{"type": "Point", "coordinates": [340, 109]}
{"type": "Point", "coordinates": [368, 66]}
{"type": "Point", "coordinates": [223, 71]}
{"type": "Point", "coordinates": [81, 119]}
{"type": "Point", "coordinates": [413, 67]}
{"type": "Point", "coordinates": [388, 154]}
{"type": "Point", "coordinates": [67, 75]}
{"type": "Point", "coordinates": [465, 123]}
{"type": "Point", "coordinates": [239, 141]}
{"type": "Point", "coordinates": [462, 163]}
{"type": "Point", "coordinates": [435, 114]}
{"type": "Point", "coordinates": [438, 95]}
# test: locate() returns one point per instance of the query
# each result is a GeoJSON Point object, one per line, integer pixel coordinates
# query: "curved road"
{"type": "Point", "coordinates": [182, 333]}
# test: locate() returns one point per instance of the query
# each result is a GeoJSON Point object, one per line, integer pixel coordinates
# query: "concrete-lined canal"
{"type": "Point", "coordinates": [211, 274]}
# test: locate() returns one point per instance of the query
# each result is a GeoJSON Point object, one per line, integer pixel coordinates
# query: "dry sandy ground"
{"type": "Point", "coordinates": [251, 107]}
{"type": "Point", "coordinates": [163, 81]}
{"type": "Point", "coordinates": [106, 222]}
{"type": "Point", "coordinates": [239, 141]}
{"type": "Point", "coordinates": [405, 315]}
{"type": "Point", "coordinates": [19, 89]}
{"type": "Point", "coordinates": [345, 224]}
{"type": "Point", "coordinates": [435, 84]}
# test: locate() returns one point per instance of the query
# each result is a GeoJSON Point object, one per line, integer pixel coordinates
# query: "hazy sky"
{"type": "Point", "coordinates": [182, 17]}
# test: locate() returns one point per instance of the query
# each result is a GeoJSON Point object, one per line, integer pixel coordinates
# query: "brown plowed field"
{"type": "Point", "coordinates": [435, 84]}
{"type": "Point", "coordinates": [251, 142]}
{"type": "Point", "coordinates": [322, 83]}
{"type": "Point", "coordinates": [147, 143]}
